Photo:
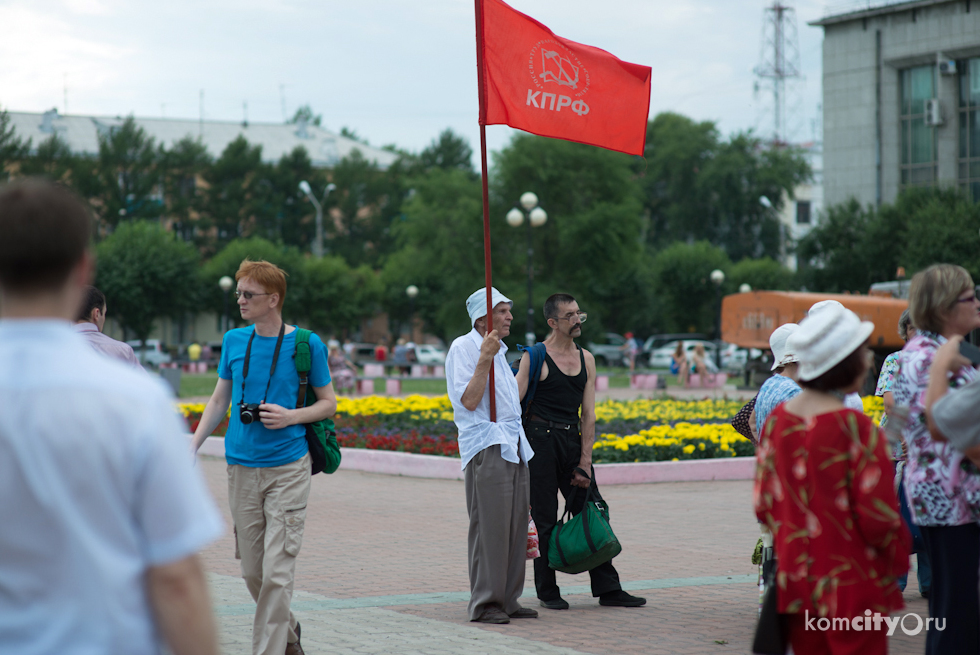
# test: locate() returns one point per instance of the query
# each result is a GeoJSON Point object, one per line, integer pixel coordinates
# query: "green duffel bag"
{"type": "Point", "coordinates": [584, 541]}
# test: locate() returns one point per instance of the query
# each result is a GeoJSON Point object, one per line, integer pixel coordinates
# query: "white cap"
{"type": "Point", "coordinates": [781, 353]}
{"type": "Point", "coordinates": [476, 304]}
{"type": "Point", "coordinates": [824, 339]}
{"type": "Point", "coordinates": [823, 305]}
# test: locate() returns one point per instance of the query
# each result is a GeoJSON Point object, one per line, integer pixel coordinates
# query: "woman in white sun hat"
{"type": "Point", "coordinates": [824, 486]}
{"type": "Point", "coordinates": [780, 387]}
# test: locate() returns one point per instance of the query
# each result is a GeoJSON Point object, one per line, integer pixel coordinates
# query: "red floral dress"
{"type": "Point", "coordinates": [825, 489]}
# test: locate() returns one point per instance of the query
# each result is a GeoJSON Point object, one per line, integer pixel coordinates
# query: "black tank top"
{"type": "Point", "coordinates": [559, 397]}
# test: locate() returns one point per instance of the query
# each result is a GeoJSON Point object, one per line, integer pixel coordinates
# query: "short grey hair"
{"type": "Point", "coordinates": [903, 324]}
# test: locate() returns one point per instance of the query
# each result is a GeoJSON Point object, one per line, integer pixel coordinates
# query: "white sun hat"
{"type": "Point", "coordinates": [826, 337]}
{"type": "Point", "coordinates": [476, 304]}
{"type": "Point", "coordinates": [781, 353]}
{"type": "Point", "coordinates": [822, 305]}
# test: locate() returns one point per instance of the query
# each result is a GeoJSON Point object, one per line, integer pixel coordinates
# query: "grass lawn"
{"type": "Point", "coordinates": [202, 384]}
{"type": "Point", "coordinates": [197, 384]}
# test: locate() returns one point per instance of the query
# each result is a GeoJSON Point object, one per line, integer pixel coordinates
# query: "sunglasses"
{"type": "Point", "coordinates": [249, 295]}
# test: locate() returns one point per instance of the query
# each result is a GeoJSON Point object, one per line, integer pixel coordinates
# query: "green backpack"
{"type": "Point", "coordinates": [320, 435]}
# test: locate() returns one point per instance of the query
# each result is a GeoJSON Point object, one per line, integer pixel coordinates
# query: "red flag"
{"type": "Point", "coordinates": [541, 83]}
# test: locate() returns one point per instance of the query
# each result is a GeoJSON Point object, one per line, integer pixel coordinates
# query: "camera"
{"type": "Point", "coordinates": [248, 412]}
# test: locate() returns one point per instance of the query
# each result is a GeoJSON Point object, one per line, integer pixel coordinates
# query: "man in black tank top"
{"type": "Point", "coordinates": [562, 444]}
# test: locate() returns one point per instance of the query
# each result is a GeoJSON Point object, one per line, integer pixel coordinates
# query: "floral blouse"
{"type": "Point", "coordinates": [943, 487]}
{"type": "Point", "coordinates": [889, 369]}
{"type": "Point", "coordinates": [824, 487]}
{"type": "Point", "coordinates": [886, 380]}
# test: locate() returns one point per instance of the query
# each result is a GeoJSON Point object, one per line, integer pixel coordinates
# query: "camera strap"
{"type": "Point", "coordinates": [275, 360]}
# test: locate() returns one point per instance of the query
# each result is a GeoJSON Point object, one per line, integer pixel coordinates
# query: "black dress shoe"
{"type": "Point", "coordinates": [555, 604]}
{"type": "Point", "coordinates": [621, 599]}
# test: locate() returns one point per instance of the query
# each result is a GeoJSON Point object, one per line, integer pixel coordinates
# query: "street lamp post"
{"type": "Point", "coordinates": [304, 186]}
{"type": "Point", "coordinates": [536, 217]}
{"type": "Point", "coordinates": [225, 284]}
{"type": "Point", "coordinates": [718, 278]}
{"type": "Point", "coordinates": [412, 291]}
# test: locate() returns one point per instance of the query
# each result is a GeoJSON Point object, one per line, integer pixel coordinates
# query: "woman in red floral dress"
{"type": "Point", "coordinates": [824, 486]}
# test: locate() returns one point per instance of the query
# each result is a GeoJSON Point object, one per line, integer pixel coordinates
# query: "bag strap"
{"type": "Point", "coordinates": [586, 531]}
{"type": "Point", "coordinates": [304, 362]}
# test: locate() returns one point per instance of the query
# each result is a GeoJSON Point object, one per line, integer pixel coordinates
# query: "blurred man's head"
{"type": "Point", "coordinates": [93, 308]}
{"type": "Point", "coordinates": [44, 249]}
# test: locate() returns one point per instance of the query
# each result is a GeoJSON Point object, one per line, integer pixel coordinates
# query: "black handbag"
{"type": "Point", "coordinates": [771, 636]}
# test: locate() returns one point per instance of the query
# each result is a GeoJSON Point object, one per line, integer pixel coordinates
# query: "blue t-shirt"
{"type": "Point", "coordinates": [775, 391]}
{"type": "Point", "coordinates": [254, 445]}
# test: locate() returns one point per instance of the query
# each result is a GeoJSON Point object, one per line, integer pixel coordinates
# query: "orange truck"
{"type": "Point", "coordinates": [747, 319]}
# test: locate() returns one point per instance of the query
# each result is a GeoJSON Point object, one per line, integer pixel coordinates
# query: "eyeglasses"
{"type": "Point", "coordinates": [249, 295]}
{"type": "Point", "coordinates": [582, 317]}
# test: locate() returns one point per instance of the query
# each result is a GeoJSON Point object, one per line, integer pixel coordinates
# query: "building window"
{"type": "Point", "coordinates": [803, 212]}
{"type": "Point", "coordinates": [969, 121]}
{"type": "Point", "coordinates": [918, 86]}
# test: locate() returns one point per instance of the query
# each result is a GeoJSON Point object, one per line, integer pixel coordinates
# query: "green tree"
{"type": "Point", "coordinates": [681, 277]}
{"type": "Point", "coordinates": [145, 274]}
{"type": "Point", "coordinates": [294, 224]}
{"type": "Point", "coordinates": [336, 298]}
{"type": "Point", "coordinates": [53, 160]}
{"type": "Point", "coordinates": [239, 192]}
{"type": "Point", "coordinates": [698, 186]}
{"type": "Point", "coordinates": [125, 184]}
{"type": "Point", "coordinates": [181, 166]}
{"type": "Point", "coordinates": [941, 227]}
{"type": "Point", "coordinates": [12, 148]}
{"type": "Point", "coordinates": [356, 224]}
{"type": "Point", "coordinates": [591, 245]}
{"type": "Point", "coordinates": [449, 150]}
{"type": "Point", "coordinates": [677, 150]}
{"type": "Point", "coordinates": [735, 179]}
{"type": "Point", "coordinates": [761, 274]}
{"type": "Point", "coordinates": [440, 250]}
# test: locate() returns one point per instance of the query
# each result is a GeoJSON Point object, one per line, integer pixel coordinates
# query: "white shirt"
{"type": "Point", "coordinates": [476, 432]}
{"type": "Point", "coordinates": [853, 401]}
{"type": "Point", "coordinates": [96, 485]}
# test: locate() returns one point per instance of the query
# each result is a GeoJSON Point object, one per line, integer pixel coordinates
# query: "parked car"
{"type": "Point", "coordinates": [660, 340]}
{"type": "Point", "coordinates": [430, 355]}
{"type": "Point", "coordinates": [151, 352]}
{"type": "Point", "coordinates": [732, 357]}
{"type": "Point", "coordinates": [611, 352]}
{"type": "Point", "coordinates": [661, 357]}
{"type": "Point", "coordinates": [363, 353]}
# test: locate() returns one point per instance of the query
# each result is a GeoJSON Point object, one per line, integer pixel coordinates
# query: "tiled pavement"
{"type": "Point", "coordinates": [383, 569]}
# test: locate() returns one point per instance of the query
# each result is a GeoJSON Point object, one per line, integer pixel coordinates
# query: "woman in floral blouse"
{"type": "Point", "coordinates": [824, 486]}
{"type": "Point", "coordinates": [886, 380]}
{"type": "Point", "coordinates": [942, 487]}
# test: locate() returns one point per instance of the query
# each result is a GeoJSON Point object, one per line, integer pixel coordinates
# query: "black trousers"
{"type": "Point", "coordinates": [954, 553]}
{"type": "Point", "coordinates": [556, 454]}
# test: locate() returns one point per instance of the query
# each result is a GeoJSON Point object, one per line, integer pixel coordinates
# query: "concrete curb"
{"type": "Point", "coordinates": [391, 462]}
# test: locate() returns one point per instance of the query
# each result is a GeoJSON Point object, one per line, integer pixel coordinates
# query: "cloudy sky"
{"type": "Point", "coordinates": [395, 71]}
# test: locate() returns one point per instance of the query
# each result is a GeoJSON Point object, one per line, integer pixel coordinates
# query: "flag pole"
{"type": "Point", "coordinates": [482, 84]}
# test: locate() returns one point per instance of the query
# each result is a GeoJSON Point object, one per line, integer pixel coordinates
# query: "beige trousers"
{"type": "Point", "coordinates": [268, 507]}
{"type": "Point", "coordinates": [497, 496]}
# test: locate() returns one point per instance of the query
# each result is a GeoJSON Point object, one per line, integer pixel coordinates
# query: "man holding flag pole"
{"type": "Point", "coordinates": [533, 80]}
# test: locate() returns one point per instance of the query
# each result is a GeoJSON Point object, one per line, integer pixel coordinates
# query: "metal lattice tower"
{"type": "Point", "coordinates": [779, 60]}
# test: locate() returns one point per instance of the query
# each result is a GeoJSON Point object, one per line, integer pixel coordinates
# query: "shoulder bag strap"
{"type": "Point", "coordinates": [303, 359]}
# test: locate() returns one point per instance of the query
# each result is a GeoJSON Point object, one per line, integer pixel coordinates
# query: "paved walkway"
{"type": "Point", "coordinates": [383, 569]}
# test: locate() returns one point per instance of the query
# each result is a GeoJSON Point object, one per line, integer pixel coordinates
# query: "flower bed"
{"type": "Point", "coordinates": [627, 431]}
